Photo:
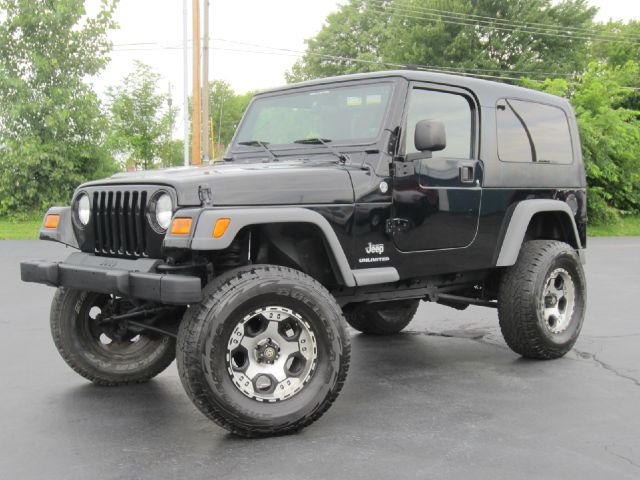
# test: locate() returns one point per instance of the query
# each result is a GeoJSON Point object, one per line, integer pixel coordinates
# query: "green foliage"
{"type": "Point", "coordinates": [610, 134]}
{"type": "Point", "coordinates": [140, 120]}
{"type": "Point", "coordinates": [223, 100]}
{"type": "Point", "coordinates": [616, 54]}
{"type": "Point", "coordinates": [610, 139]}
{"type": "Point", "coordinates": [356, 31]}
{"type": "Point", "coordinates": [378, 34]}
{"type": "Point", "coordinates": [625, 48]}
{"type": "Point", "coordinates": [51, 126]}
{"type": "Point", "coordinates": [172, 154]}
{"type": "Point", "coordinates": [623, 227]}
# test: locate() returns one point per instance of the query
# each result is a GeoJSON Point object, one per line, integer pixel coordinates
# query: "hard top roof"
{"type": "Point", "coordinates": [487, 91]}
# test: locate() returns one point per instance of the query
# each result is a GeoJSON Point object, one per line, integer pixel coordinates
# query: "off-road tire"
{"type": "Point", "coordinates": [206, 330]}
{"type": "Point", "coordinates": [382, 318]}
{"type": "Point", "coordinates": [84, 354]}
{"type": "Point", "coordinates": [520, 300]}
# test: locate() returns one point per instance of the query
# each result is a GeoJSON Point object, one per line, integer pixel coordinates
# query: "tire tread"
{"type": "Point", "coordinates": [517, 303]}
{"type": "Point", "coordinates": [191, 328]}
{"type": "Point", "coordinates": [102, 379]}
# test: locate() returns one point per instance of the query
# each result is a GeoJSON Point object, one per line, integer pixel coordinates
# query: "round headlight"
{"type": "Point", "coordinates": [164, 211]}
{"type": "Point", "coordinates": [84, 209]}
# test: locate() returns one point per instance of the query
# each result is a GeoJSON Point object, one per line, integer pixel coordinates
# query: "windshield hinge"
{"type": "Point", "coordinates": [392, 145]}
{"type": "Point", "coordinates": [205, 196]}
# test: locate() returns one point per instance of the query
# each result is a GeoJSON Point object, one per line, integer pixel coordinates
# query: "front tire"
{"type": "Point", "coordinates": [382, 318]}
{"type": "Point", "coordinates": [98, 352]}
{"type": "Point", "coordinates": [265, 353]}
{"type": "Point", "coordinates": [542, 300]}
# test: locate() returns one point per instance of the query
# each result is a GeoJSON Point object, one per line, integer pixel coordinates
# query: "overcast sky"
{"type": "Point", "coordinates": [151, 31]}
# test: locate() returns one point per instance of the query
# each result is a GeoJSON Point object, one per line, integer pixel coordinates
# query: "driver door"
{"type": "Point", "coordinates": [437, 195]}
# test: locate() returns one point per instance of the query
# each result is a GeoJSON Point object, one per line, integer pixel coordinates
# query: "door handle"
{"type": "Point", "coordinates": [466, 174]}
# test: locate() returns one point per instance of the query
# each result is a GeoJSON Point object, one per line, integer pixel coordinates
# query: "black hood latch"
{"type": "Point", "coordinates": [205, 195]}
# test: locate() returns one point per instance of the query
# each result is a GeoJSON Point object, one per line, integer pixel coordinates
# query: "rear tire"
{"type": "Point", "coordinates": [97, 354]}
{"type": "Point", "coordinates": [542, 300]}
{"type": "Point", "coordinates": [382, 318]}
{"type": "Point", "coordinates": [235, 347]}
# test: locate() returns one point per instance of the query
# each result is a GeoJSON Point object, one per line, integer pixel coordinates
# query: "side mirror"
{"type": "Point", "coordinates": [430, 136]}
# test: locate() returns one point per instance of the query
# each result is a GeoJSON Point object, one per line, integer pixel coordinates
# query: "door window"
{"type": "Point", "coordinates": [452, 109]}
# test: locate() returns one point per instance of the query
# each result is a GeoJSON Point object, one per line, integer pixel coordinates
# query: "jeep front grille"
{"type": "Point", "coordinates": [120, 222]}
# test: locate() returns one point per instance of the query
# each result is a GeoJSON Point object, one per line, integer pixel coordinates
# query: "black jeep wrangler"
{"type": "Point", "coordinates": [348, 198]}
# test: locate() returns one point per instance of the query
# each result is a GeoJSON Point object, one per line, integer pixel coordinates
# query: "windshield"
{"type": "Point", "coordinates": [352, 114]}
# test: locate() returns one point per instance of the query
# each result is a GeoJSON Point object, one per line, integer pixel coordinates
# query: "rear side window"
{"type": "Point", "coordinates": [532, 132]}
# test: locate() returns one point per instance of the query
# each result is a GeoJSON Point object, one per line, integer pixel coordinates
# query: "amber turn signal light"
{"type": "Point", "coordinates": [52, 221]}
{"type": "Point", "coordinates": [220, 227]}
{"type": "Point", "coordinates": [181, 226]}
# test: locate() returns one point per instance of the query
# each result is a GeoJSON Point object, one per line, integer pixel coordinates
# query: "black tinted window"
{"type": "Point", "coordinates": [532, 132]}
{"type": "Point", "coordinates": [449, 108]}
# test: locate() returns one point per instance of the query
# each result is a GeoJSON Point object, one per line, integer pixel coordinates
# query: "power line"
{"type": "Point", "coordinates": [546, 26]}
{"type": "Point", "coordinates": [448, 19]}
{"type": "Point", "coordinates": [552, 31]}
{"type": "Point", "coordinates": [301, 52]}
{"type": "Point", "coordinates": [471, 69]}
{"type": "Point", "coordinates": [549, 27]}
{"type": "Point", "coordinates": [134, 44]}
{"type": "Point", "coordinates": [474, 23]}
{"type": "Point", "coordinates": [294, 53]}
{"type": "Point", "coordinates": [432, 68]}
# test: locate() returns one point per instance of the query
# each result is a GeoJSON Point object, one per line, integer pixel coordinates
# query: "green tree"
{"type": "Point", "coordinates": [625, 47]}
{"type": "Point", "coordinates": [460, 35]}
{"type": "Point", "coordinates": [618, 53]}
{"type": "Point", "coordinates": [51, 125]}
{"type": "Point", "coordinates": [226, 108]}
{"type": "Point", "coordinates": [352, 40]}
{"type": "Point", "coordinates": [610, 135]}
{"type": "Point", "coordinates": [141, 120]}
{"type": "Point", "coordinates": [172, 154]}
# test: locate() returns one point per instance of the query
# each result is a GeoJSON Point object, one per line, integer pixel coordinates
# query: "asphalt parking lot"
{"type": "Point", "coordinates": [446, 399]}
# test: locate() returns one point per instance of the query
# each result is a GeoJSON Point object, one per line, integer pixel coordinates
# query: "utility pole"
{"type": "Point", "coordinates": [196, 125]}
{"type": "Point", "coordinates": [220, 122]}
{"type": "Point", "coordinates": [185, 67]}
{"type": "Point", "coordinates": [206, 142]}
{"type": "Point", "coordinates": [170, 129]}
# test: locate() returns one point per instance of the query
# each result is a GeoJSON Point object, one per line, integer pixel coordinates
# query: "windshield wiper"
{"type": "Point", "coordinates": [323, 141]}
{"type": "Point", "coordinates": [260, 143]}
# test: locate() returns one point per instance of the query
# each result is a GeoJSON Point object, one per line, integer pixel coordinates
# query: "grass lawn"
{"type": "Point", "coordinates": [19, 229]}
{"type": "Point", "coordinates": [28, 229]}
{"type": "Point", "coordinates": [626, 227]}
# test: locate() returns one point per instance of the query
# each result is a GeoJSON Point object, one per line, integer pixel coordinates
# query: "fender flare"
{"type": "Point", "coordinates": [519, 222]}
{"type": "Point", "coordinates": [202, 238]}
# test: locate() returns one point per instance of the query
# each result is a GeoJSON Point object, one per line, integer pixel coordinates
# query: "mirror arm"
{"type": "Point", "coordinates": [412, 157]}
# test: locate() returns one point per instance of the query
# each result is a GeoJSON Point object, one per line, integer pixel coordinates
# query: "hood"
{"type": "Point", "coordinates": [274, 183]}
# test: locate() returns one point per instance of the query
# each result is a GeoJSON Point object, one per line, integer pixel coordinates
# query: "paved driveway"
{"type": "Point", "coordinates": [446, 399]}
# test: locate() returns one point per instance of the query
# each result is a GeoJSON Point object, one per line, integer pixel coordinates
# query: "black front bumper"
{"type": "Point", "coordinates": [129, 278]}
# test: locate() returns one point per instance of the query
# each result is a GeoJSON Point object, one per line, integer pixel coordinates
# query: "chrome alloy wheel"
{"type": "Point", "coordinates": [558, 300]}
{"type": "Point", "coordinates": [271, 354]}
